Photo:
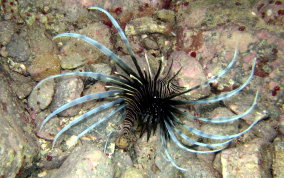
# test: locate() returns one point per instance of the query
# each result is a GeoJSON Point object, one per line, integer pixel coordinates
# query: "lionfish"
{"type": "Point", "coordinates": [150, 99]}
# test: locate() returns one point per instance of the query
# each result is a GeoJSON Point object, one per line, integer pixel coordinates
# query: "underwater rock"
{"type": "Point", "coordinates": [145, 25]}
{"type": "Point", "coordinates": [191, 17]}
{"type": "Point", "coordinates": [75, 53]}
{"type": "Point", "coordinates": [207, 158]}
{"type": "Point", "coordinates": [150, 43]}
{"type": "Point", "coordinates": [18, 48]}
{"type": "Point", "coordinates": [191, 73]}
{"type": "Point", "coordinates": [17, 143]}
{"type": "Point", "coordinates": [189, 40]}
{"type": "Point", "coordinates": [198, 168]}
{"type": "Point", "coordinates": [166, 15]}
{"type": "Point", "coordinates": [222, 128]}
{"type": "Point", "coordinates": [95, 88]}
{"type": "Point", "coordinates": [7, 31]}
{"type": "Point", "coordinates": [281, 124]}
{"type": "Point", "coordinates": [44, 66]}
{"type": "Point", "coordinates": [253, 158]}
{"type": "Point", "coordinates": [86, 161]}
{"type": "Point", "coordinates": [74, 10]}
{"type": "Point", "coordinates": [20, 84]}
{"type": "Point", "coordinates": [72, 61]}
{"type": "Point", "coordinates": [132, 172]}
{"type": "Point", "coordinates": [146, 153]}
{"type": "Point", "coordinates": [122, 161]}
{"type": "Point", "coordinates": [67, 89]}
{"type": "Point", "coordinates": [51, 128]}
{"type": "Point", "coordinates": [41, 97]}
{"type": "Point", "coordinates": [278, 158]}
{"type": "Point", "coordinates": [265, 131]}
{"type": "Point", "coordinates": [217, 162]}
{"type": "Point", "coordinates": [100, 68]}
{"type": "Point", "coordinates": [39, 42]}
{"type": "Point", "coordinates": [119, 3]}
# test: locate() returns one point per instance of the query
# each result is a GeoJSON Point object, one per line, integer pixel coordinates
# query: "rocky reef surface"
{"type": "Point", "coordinates": [200, 36]}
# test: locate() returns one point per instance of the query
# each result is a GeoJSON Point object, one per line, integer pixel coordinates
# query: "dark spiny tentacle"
{"type": "Point", "coordinates": [146, 105]}
{"type": "Point", "coordinates": [170, 69]}
{"type": "Point", "coordinates": [159, 71]}
{"type": "Point", "coordinates": [149, 68]}
{"type": "Point", "coordinates": [174, 76]}
{"type": "Point", "coordinates": [123, 76]}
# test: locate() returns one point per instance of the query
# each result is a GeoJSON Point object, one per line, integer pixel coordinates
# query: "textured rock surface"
{"type": "Point", "coordinates": [278, 158]}
{"type": "Point", "coordinates": [18, 48]}
{"type": "Point", "coordinates": [8, 28]}
{"type": "Point", "coordinates": [67, 89]}
{"type": "Point", "coordinates": [44, 65]}
{"type": "Point", "coordinates": [166, 15]}
{"type": "Point", "coordinates": [146, 152]}
{"type": "Point", "coordinates": [41, 97]}
{"type": "Point", "coordinates": [100, 68]}
{"type": "Point", "coordinates": [85, 161]}
{"type": "Point", "coordinates": [39, 41]}
{"type": "Point", "coordinates": [197, 168]}
{"type": "Point", "coordinates": [191, 73]}
{"type": "Point", "coordinates": [21, 85]}
{"type": "Point", "coordinates": [281, 124]}
{"type": "Point", "coordinates": [50, 129]}
{"type": "Point", "coordinates": [76, 53]}
{"type": "Point", "coordinates": [96, 88]}
{"type": "Point", "coordinates": [206, 32]}
{"type": "Point", "coordinates": [122, 161]}
{"type": "Point", "coordinates": [270, 11]}
{"type": "Point", "coordinates": [17, 144]}
{"type": "Point", "coordinates": [253, 158]}
{"type": "Point", "coordinates": [145, 25]}
{"type": "Point", "coordinates": [223, 128]}
{"type": "Point", "coordinates": [132, 172]}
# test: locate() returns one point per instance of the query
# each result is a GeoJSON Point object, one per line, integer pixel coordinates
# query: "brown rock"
{"type": "Point", "coordinates": [254, 158]}
{"type": "Point", "coordinates": [278, 158]}
{"type": "Point", "coordinates": [191, 73]}
{"type": "Point", "coordinates": [17, 144]}
{"type": "Point", "coordinates": [44, 66]}
{"type": "Point", "coordinates": [67, 89]}
{"type": "Point", "coordinates": [86, 162]}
